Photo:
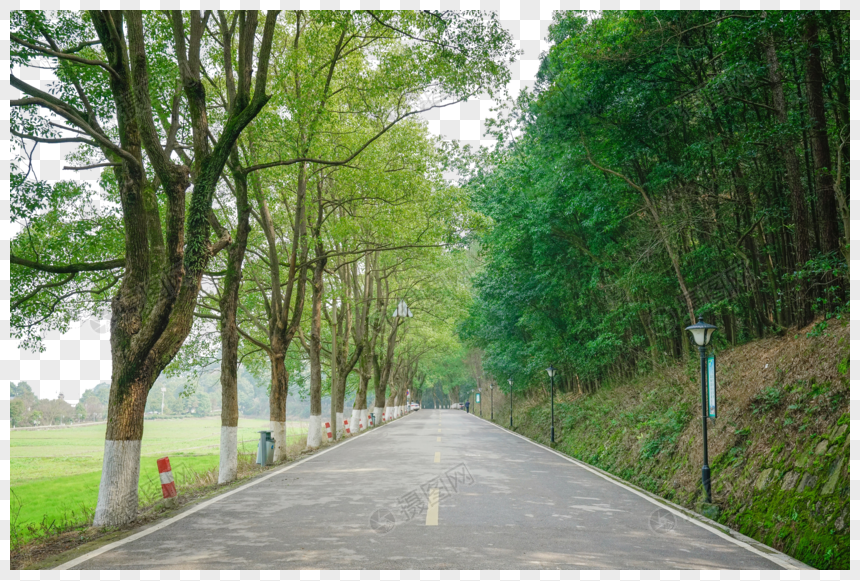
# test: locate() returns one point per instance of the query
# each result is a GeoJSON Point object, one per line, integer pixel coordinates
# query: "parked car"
{"type": "Point", "coordinates": [415, 406]}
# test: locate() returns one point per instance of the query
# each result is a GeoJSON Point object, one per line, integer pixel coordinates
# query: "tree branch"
{"type": "Point", "coordinates": [62, 55]}
{"type": "Point", "coordinates": [91, 166]}
{"type": "Point", "coordinates": [68, 113]}
{"type": "Point", "coordinates": [69, 268]}
{"type": "Point", "coordinates": [294, 161]}
{"type": "Point", "coordinates": [55, 140]}
{"type": "Point", "coordinates": [40, 288]}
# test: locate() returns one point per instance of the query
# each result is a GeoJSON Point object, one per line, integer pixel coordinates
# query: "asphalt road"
{"type": "Point", "coordinates": [437, 489]}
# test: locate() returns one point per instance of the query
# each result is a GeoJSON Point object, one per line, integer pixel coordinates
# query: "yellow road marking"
{"type": "Point", "coordinates": [440, 429]}
{"type": "Point", "coordinates": [438, 438]}
{"type": "Point", "coordinates": [438, 457]}
{"type": "Point", "coordinates": [433, 508]}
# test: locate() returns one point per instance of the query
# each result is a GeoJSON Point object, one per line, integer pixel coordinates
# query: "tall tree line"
{"type": "Point", "coordinates": [667, 165]}
{"type": "Point", "coordinates": [266, 194]}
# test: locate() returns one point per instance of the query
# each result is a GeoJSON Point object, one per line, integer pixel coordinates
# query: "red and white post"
{"type": "Point", "coordinates": [328, 430]}
{"type": "Point", "coordinates": [346, 426]}
{"type": "Point", "coordinates": [168, 488]}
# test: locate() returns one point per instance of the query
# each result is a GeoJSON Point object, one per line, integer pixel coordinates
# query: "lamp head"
{"type": "Point", "coordinates": [550, 370]}
{"type": "Point", "coordinates": [701, 332]}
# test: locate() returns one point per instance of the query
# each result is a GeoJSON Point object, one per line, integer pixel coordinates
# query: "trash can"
{"type": "Point", "coordinates": [266, 448]}
{"type": "Point", "coordinates": [372, 419]}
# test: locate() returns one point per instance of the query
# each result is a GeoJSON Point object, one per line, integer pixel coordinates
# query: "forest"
{"type": "Point", "coordinates": [667, 165]}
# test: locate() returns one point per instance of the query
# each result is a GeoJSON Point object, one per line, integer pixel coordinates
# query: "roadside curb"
{"type": "Point", "coordinates": [192, 508]}
{"type": "Point", "coordinates": [754, 546]}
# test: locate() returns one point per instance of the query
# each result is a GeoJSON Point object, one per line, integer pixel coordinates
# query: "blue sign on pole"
{"type": "Point", "coordinates": [712, 387]}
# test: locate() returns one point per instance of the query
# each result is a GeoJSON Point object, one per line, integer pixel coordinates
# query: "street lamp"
{"type": "Point", "coordinates": [511, 383]}
{"type": "Point", "coordinates": [491, 402]}
{"type": "Point", "coordinates": [163, 390]}
{"type": "Point", "coordinates": [702, 332]}
{"type": "Point", "coordinates": [551, 371]}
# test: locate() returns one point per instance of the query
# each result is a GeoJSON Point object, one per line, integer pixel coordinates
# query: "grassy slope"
{"type": "Point", "coordinates": [778, 450]}
{"type": "Point", "coordinates": [56, 473]}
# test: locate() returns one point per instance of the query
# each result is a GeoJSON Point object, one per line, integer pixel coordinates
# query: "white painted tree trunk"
{"type": "Point", "coordinates": [356, 421]}
{"type": "Point", "coordinates": [377, 413]}
{"type": "Point", "coordinates": [339, 422]}
{"type": "Point", "coordinates": [389, 413]}
{"type": "Point", "coordinates": [315, 432]}
{"type": "Point", "coordinates": [279, 433]}
{"type": "Point", "coordinates": [228, 459]}
{"type": "Point", "coordinates": [117, 503]}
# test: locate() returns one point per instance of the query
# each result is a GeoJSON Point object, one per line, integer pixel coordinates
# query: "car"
{"type": "Point", "coordinates": [415, 406]}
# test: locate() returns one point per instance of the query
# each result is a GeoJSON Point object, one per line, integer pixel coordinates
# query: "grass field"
{"type": "Point", "coordinates": [55, 473]}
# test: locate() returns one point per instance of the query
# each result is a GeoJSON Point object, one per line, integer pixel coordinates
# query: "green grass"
{"type": "Point", "coordinates": [55, 474]}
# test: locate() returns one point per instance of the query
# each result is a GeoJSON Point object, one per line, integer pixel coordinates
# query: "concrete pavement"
{"type": "Point", "coordinates": [437, 489]}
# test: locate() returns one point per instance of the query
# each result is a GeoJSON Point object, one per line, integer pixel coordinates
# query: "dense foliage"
{"type": "Point", "coordinates": [667, 165]}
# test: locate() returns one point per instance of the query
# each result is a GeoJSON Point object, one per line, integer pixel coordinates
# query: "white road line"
{"type": "Point", "coordinates": [777, 557]}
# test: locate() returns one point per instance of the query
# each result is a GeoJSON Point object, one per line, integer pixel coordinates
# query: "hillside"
{"type": "Point", "coordinates": [779, 448]}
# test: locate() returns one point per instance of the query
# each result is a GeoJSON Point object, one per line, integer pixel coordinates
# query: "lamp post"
{"type": "Point", "coordinates": [163, 390]}
{"type": "Point", "coordinates": [511, 383]}
{"type": "Point", "coordinates": [491, 402]}
{"type": "Point", "coordinates": [702, 332]}
{"type": "Point", "coordinates": [551, 371]}
{"type": "Point", "coordinates": [402, 312]}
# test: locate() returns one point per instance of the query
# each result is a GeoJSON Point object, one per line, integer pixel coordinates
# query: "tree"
{"type": "Point", "coordinates": [164, 254]}
{"type": "Point", "coordinates": [17, 412]}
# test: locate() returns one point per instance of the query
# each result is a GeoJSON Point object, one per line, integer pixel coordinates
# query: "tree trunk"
{"type": "Point", "coordinates": [336, 427]}
{"type": "Point", "coordinates": [378, 389]}
{"type": "Point", "coordinates": [314, 429]}
{"type": "Point", "coordinates": [359, 407]}
{"type": "Point", "coordinates": [798, 202]}
{"type": "Point", "coordinates": [340, 399]}
{"type": "Point", "coordinates": [117, 500]}
{"type": "Point", "coordinates": [229, 453]}
{"type": "Point", "coordinates": [827, 220]}
{"type": "Point", "coordinates": [389, 403]}
{"type": "Point", "coordinates": [278, 401]}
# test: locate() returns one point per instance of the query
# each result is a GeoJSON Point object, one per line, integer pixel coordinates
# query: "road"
{"type": "Point", "coordinates": [437, 489]}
